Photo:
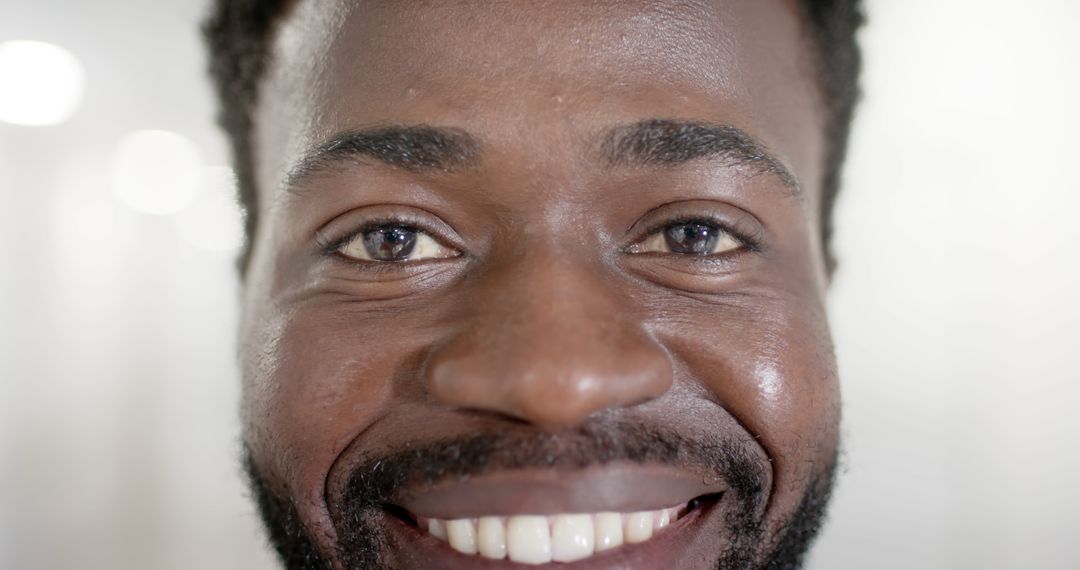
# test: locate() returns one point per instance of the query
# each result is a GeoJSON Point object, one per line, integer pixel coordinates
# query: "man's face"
{"type": "Point", "coordinates": [539, 258]}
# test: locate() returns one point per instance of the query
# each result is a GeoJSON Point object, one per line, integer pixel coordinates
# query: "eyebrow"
{"type": "Point", "coordinates": [653, 142]}
{"type": "Point", "coordinates": [665, 142]}
{"type": "Point", "coordinates": [418, 149]}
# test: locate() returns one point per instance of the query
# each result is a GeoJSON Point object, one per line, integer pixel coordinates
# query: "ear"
{"type": "Point", "coordinates": [830, 267]}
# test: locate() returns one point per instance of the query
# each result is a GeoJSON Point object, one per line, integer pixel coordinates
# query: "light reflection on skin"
{"type": "Point", "coordinates": [770, 382]}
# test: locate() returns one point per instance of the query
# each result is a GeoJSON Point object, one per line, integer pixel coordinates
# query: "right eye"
{"type": "Point", "coordinates": [394, 243]}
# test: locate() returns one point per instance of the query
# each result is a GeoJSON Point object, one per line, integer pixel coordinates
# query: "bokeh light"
{"type": "Point", "coordinates": [156, 172]}
{"type": "Point", "coordinates": [43, 84]}
{"type": "Point", "coordinates": [954, 309]}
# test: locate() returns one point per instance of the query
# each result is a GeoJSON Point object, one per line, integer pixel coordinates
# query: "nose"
{"type": "Point", "coordinates": [549, 343]}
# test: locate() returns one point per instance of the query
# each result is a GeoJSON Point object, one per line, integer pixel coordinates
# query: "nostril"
{"type": "Point", "coordinates": [462, 382]}
{"type": "Point", "coordinates": [549, 373]}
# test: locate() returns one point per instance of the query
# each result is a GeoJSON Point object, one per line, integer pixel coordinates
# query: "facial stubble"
{"type": "Point", "coordinates": [375, 479]}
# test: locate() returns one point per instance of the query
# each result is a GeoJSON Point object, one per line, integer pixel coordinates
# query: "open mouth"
{"type": "Point", "coordinates": [535, 539]}
{"type": "Point", "coordinates": [477, 505]}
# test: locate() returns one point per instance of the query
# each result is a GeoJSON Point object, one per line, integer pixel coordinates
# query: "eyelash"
{"type": "Point", "coordinates": [748, 242]}
{"type": "Point", "coordinates": [332, 247]}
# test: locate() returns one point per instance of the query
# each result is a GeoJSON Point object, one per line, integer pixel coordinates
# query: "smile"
{"type": "Point", "coordinates": [541, 517]}
{"type": "Point", "coordinates": [539, 539]}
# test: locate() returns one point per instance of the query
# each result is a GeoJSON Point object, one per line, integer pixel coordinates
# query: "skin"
{"type": "Point", "coordinates": [545, 319]}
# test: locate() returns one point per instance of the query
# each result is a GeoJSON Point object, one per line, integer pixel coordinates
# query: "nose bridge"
{"type": "Point", "coordinates": [549, 341]}
{"type": "Point", "coordinates": [558, 293]}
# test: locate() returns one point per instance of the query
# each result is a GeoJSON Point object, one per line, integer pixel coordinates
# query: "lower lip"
{"type": "Point", "coordinates": [414, 548]}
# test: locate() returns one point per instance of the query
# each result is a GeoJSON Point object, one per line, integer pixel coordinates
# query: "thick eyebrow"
{"type": "Point", "coordinates": [665, 142]}
{"type": "Point", "coordinates": [419, 148]}
{"type": "Point", "coordinates": [653, 142]}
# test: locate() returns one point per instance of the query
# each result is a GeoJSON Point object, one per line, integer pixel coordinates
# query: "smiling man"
{"type": "Point", "coordinates": [538, 282]}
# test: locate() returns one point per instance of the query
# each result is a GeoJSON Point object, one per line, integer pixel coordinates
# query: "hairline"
{"type": "Point", "coordinates": [831, 65]}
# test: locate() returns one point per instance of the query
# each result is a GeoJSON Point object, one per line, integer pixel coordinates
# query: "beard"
{"type": "Point", "coordinates": [376, 479]}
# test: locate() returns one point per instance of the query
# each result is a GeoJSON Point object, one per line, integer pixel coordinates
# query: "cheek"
{"type": "Point", "coordinates": [791, 381]}
{"type": "Point", "coordinates": [769, 364]}
{"type": "Point", "coordinates": [313, 385]}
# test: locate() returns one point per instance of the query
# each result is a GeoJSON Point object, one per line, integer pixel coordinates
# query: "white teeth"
{"type": "Point", "coordinates": [572, 537]}
{"type": "Point", "coordinates": [539, 539]}
{"type": "Point", "coordinates": [462, 535]}
{"type": "Point", "coordinates": [437, 528]}
{"type": "Point", "coordinates": [528, 539]}
{"type": "Point", "coordinates": [491, 537]}
{"type": "Point", "coordinates": [608, 531]}
{"type": "Point", "coordinates": [663, 518]}
{"type": "Point", "coordinates": [639, 527]}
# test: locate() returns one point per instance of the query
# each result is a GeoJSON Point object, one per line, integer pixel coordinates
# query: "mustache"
{"type": "Point", "coordinates": [376, 480]}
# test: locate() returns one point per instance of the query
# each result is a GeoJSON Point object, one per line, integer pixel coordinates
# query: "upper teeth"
{"type": "Point", "coordinates": [539, 539]}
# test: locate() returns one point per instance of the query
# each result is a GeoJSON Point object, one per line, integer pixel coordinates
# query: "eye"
{"type": "Point", "coordinates": [394, 242]}
{"type": "Point", "coordinates": [694, 237]}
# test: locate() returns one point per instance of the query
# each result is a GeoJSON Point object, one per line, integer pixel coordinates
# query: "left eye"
{"type": "Point", "coordinates": [394, 243]}
{"type": "Point", "coordinates": [689, 238]}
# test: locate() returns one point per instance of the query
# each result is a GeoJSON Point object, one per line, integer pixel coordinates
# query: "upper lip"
{"type": "Point", "coordinates": [616, 487]}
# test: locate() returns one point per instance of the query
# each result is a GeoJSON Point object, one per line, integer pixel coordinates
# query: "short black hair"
{"type": "Point", "coordinates": [239, 36]}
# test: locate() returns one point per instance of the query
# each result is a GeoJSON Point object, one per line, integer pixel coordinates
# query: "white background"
{"type": "Point", "coordinates": [956, 308]}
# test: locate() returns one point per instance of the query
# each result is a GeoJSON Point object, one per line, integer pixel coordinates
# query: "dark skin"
{"type": "Point", "coordinates": [538, 149]}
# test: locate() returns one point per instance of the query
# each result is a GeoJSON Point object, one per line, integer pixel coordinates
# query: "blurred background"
{"type": "Point", "coordinates": [956, 308]}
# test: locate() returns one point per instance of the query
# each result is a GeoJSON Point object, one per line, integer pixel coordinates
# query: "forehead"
{"type": "Point", "coordinates": [532, 74]}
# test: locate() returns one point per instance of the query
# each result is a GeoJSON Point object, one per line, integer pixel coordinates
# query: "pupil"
{"type": "Point", "coordinates": [693, 238]}
{"type": "Point", "coordinates": [390, 243]}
